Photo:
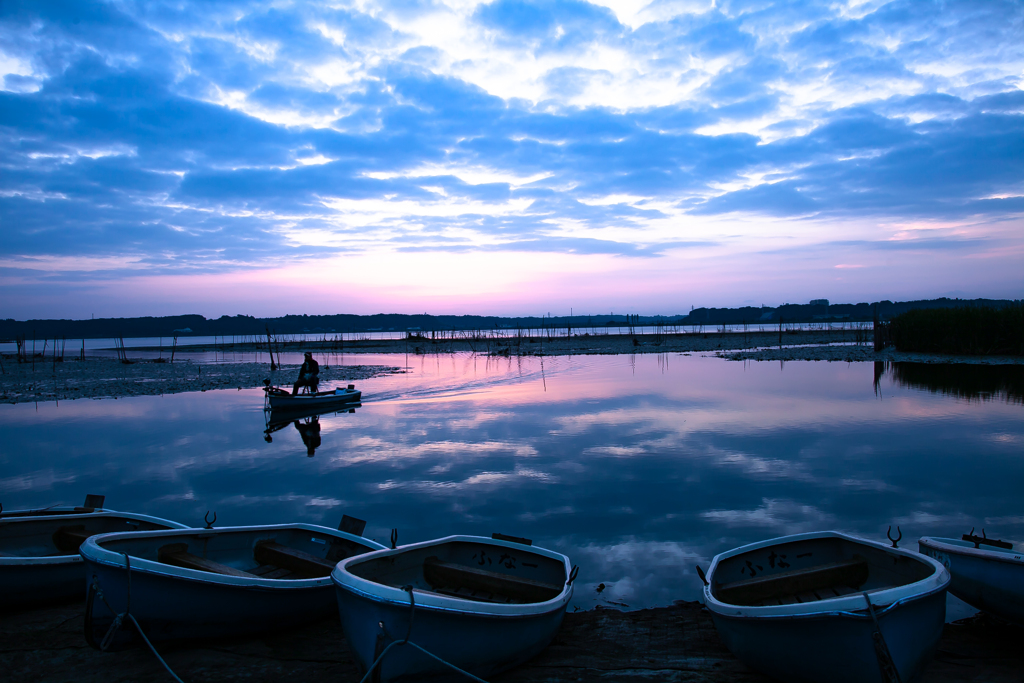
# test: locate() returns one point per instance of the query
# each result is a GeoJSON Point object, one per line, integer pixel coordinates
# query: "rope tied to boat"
{"type": "Point", "coordinates": [406, 641]}
{"type": "Point", "coordinates": [885, 664]}
{"type": "Point", "coordinates": [119, 618]}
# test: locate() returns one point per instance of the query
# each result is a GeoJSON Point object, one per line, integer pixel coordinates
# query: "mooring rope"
{"type": "Point", "coordinates": [119, 619]}
{"type": "Point", "coordinates": [406, 641]}
{"type": "Point", "coordinates": [885, 664]}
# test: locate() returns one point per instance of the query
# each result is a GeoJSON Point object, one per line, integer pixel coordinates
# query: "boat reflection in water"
{"type": "Point", "coordinates": [306, 422]}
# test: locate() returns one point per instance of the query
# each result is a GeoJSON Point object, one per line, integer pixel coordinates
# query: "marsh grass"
{"type": "Point", "coordinates": [968, 330]}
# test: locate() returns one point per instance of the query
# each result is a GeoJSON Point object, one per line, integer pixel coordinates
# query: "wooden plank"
{"type": "Point", "coordinates": [263, 569]}
{"type": "Point", "coordinates": [282, 574]}
{"type": "Point", "coordinates": [807, 596]}
{"type": "Point", "coordinates": [177, 554]}
{"type": "Point", "coordinates": [478, 596]}
{"type": "Point", "coordinates": [69, 538]}
{"type": "Point", "coordinates": [303, 564]}
{"type": "Point", "coordinates": [438, 573]}
{"type": "Point", "coordinates": [342, 549]}
{"type": "Point", "coordinates": [840, 591]}
{"type": "Point", "coordinates": [749, 591]}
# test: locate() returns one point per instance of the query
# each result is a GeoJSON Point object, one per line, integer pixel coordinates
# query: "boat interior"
{"type": "Point", "coordinates": [812, 570]}
{"type": "Point", "coordinates": [56, 535]}
{"type": "Point", "coordinates": [284, 554]}
{"type": "Point", "coordinates": [479, 572]}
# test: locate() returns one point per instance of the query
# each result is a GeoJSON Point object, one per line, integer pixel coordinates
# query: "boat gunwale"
{"type": "Point", "coordinates": [100, 555]}
{"type": "Point", "coordinates": [942, 545]}
{"type": "Point", "coordinates": [847, 605]}
{"type": "Point", "coordinates": [71, 558]}
{"type": "Point", "coordinates": [52, 511]}
{"type": "Point", "coordinates": [391, 595]}
{"type": "Point", "coordinates": [319, 397]}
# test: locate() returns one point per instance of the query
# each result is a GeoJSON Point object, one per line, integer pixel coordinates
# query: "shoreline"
{"type": "Point", "coordinates": [99, 377]}
{"type": "Point", "coordinates": [109, 378]}
{"type": "Point", "coordinates": [673, 643]}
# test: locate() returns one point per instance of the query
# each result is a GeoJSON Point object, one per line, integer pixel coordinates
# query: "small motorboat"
{"type": "Point", "coordinates": [826, 606]}
{"type": "Point", "coordinates": [990, 578]}
{"type": "Point", "coordinates": [280, 399]}
{"type": "Point", "coordinates": [39, 560]}
{"type": "Point", "coordinates": [201, 583]}
{"type": "Point", "coordinates": [481, 604]}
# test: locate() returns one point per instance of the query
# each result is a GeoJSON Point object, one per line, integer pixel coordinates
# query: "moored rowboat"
{"type": "Point", "coordinates": [200, 583]}
{"type": "Point", "coordinates": [797, 608]}
{"type": "Point", "coordinates": [484, 605]}
{"type": "Point", "coordinates": [39, 560]}
{"type": "Point", "coordinates": [990, 578]}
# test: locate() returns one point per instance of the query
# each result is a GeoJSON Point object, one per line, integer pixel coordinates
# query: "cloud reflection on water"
{"type": "Point", "coordinates": [636, 468]}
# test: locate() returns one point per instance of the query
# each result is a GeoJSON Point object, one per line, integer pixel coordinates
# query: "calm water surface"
{"type": "Point", "coordinates": [637, 467]}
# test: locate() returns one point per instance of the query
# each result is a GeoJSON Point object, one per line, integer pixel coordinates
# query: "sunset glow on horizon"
{"type": "Point", "coordinates": [506, 158]}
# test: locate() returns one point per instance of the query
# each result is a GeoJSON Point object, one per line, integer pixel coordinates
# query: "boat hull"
{"type": "Point", "coordinates": [172, 608]}
{"type": "Point", "coordinates": [989, 580]}
{"type": "Point", "coordinates": [36, 575]}
{"type": "Point", "coordinates": [484, 635]}
{"type": "Point", "coordinates": [796, 608]}
{"type": "Point", "coordinates": [839, 646]}
{"type": "Point", "coordinates": [482, 645]}
{"type": "Point", "coordinates": [179, 603]}
{"type": "Point", "coordinates": [298, 402]}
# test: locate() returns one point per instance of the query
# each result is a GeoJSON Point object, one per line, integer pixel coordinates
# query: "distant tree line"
{"type": "Point", "coordinates": [241, 325]}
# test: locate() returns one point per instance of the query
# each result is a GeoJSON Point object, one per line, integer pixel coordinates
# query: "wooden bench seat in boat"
{"type": "Point", "coordinates": [269, 571]}
{"type": "Point", "coordinates": [69, 538]}
{"type": "Point", "coordinates": [484, 586]}
{"type": "Point", "coordinates": [177, 554]}
{"type": "Point", "coordinates": [302, 564]}
{"type": "Point", "coordinates": [797, 585]}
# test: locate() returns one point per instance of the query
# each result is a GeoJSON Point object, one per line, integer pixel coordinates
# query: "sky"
{"type": "Point", "coordinates": [512, 157]}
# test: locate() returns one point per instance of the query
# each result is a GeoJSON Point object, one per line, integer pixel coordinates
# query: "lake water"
{"type": "Point", "coordinates": [638, 468]}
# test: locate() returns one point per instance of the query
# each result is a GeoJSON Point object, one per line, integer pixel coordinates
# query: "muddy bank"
{"type": "Point", "coordinates": [581, 344]}
{"type": "Point", "coordinates": [862, 354]}
{"type": "Point", "coordinates": [109, 378]}
{"type": "Point", "coordinates": [827, 345]}
{"type": "Point", "coordinates": [97, 377]}
{"type": "Point", "coordinates": [672, 644]}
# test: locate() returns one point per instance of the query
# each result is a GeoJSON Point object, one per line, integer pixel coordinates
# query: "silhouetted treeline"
{"type": "Point", "coordinates": [197, 325]}
{"type": "Point", "coordinates": [981, 330]}
{"type": "Point", "coordinates": [824, 311]}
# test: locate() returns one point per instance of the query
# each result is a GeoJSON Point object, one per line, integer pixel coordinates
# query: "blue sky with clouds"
{"type": "Point", "coordinates": [506, 157]}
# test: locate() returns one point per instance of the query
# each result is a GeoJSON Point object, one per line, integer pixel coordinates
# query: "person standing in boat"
{"type": "Point", "coordinates": [309, 430]}
{"type": "Point", "coordinates": [308, 375]}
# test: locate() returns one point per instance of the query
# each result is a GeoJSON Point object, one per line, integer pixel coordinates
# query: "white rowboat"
{"type": "Point", "coordinates": [826, 606]}
{"type": "Point", "coordinates": [482, 604]}
{"type": "Point", "coordinates": [985, 576]}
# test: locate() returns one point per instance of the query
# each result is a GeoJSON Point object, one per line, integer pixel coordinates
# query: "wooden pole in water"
{"type": "Point", "coordinates": [878, 332]}
{"type": "Point", "coordinates": [270, 348]}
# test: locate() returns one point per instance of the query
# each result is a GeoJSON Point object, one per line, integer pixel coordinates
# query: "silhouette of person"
{"type": "Point", "coordinates": [310, 433]}
{"type": "Point", "coordinates": [308, 374]}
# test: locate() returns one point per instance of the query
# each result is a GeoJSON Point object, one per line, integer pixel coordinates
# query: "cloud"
{"type": "Point", "coordinates": [205, 136]}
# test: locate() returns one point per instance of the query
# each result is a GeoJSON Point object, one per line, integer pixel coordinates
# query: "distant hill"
{"type": "Point", "coordinates": [242, 325]}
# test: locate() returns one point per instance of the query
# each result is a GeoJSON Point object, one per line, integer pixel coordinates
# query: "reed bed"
{"type": "Point", "coordinates": [967, 330]}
